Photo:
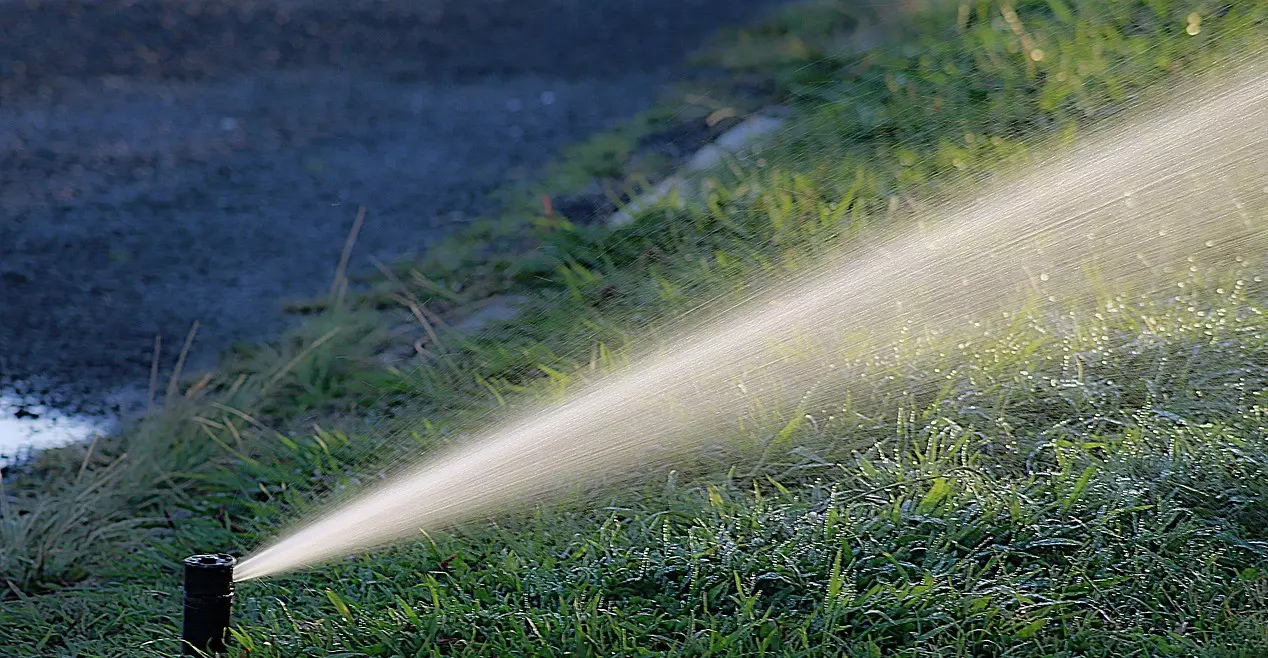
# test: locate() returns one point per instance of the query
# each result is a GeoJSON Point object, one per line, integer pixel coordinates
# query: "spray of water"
{"type": "Point", "coordinates": [1134, 205]}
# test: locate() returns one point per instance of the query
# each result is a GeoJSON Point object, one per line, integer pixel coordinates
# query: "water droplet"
{"type": "Point", "coordinates": [1195, 24]}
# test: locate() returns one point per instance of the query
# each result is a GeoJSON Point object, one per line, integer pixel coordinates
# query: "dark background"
{"type": "Point", "coordinates": [163, 162]}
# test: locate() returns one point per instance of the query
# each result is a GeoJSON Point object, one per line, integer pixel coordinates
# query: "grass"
{"type": "Point", "coordinates": [1086, 484]}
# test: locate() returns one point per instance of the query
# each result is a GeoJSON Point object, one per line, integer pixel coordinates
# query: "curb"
{"type": "Point", "coordinates": [742, 141]}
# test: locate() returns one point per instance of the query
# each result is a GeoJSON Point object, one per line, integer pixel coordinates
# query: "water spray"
{"type": "Point", "coordinates": [208, 603]}
{"type": "Point", "coordinates": [1132, 206]}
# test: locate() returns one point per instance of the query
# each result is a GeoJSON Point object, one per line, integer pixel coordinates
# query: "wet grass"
{"type": "Point", "coordinates": [1087, 483]}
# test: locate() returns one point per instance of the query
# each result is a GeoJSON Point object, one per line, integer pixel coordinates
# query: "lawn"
{"type": "Point", "coordinates": [1093, 482]}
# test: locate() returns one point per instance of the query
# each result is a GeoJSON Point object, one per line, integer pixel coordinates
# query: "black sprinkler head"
{"type": "Point", "coordinates": [208, 600]}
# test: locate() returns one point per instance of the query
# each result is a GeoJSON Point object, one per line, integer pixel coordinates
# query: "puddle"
{"type": "Point", "coordinates": [27, 425]}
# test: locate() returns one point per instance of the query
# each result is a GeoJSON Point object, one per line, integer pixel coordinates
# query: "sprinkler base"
{"type": "Point", "coordinates": [208, 603]}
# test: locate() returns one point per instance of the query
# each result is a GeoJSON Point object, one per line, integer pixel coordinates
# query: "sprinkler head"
{"type": "Point", "coordinates": [208, 600]}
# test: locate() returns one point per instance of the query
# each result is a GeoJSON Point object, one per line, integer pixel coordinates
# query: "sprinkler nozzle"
{"type": "Point", "coordinates": [208, 600]}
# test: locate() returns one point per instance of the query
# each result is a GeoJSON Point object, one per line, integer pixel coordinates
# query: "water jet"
{"type": "Point", "coordinates": [1140, 203]}
{"type": "Point", "coordinates": [208, 603]}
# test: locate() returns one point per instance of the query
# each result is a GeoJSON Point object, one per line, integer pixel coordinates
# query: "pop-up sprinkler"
{"type": "Point", "coordinates": [208, 600]}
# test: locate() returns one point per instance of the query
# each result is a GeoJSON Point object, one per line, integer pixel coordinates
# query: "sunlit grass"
{"type": "Point", "coordinates": [1089, 483]}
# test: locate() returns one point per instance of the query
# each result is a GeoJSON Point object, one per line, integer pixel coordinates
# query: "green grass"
{"type": "Point", "coordinates": [1087, 484]}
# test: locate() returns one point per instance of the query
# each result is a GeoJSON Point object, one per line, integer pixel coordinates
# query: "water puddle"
{"type": "Point", "coordinates": [28, 424]}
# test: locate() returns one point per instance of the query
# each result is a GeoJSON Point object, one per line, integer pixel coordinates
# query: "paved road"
{"type": "Point", "coordinates": [165, 161]}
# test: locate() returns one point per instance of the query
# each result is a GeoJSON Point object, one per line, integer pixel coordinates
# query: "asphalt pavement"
{"type": "Point", "coordinates": [166, 161]}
